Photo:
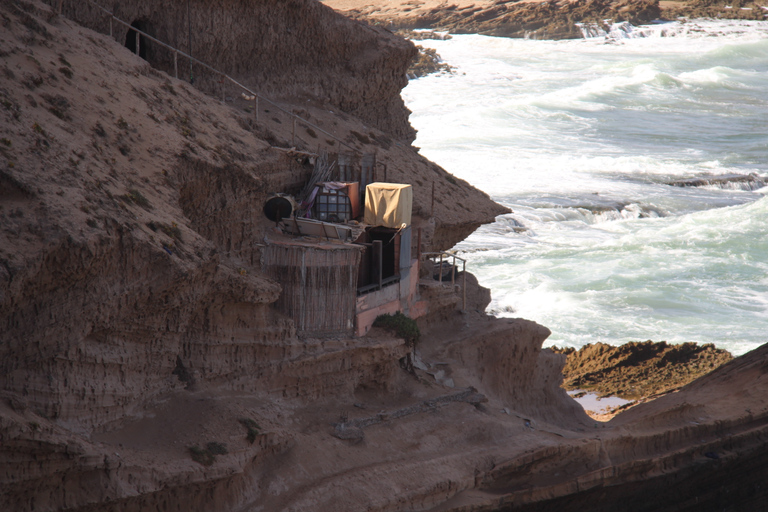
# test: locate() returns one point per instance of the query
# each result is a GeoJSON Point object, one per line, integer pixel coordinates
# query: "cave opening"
{"type": "Point", "coordinates": [133, 38]}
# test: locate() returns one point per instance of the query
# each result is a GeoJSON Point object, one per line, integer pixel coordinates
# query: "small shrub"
{"type": "Point", "coordinates": [311, 132]}
{"type": "Point", "coordinates": [253, 429]}
{"type": "Point", "coordinates": [66, 72]}
{"type": "Point", "coordinates": [207, 456]}
{"type": "Point", "coordinates": [201, 455]}
{"type": "Point", "coordinates": [172, 231]}
{"type": "Point", "coordinates": [216, 448]}
{"type": "Point", "coordinates": [400, 325]}
{"type": "Point", "coordinates": [136, 197]}
{"type": "Point", "coordinates": [33, 81]}
{"type": "Point", "coordinates": [99, 130]}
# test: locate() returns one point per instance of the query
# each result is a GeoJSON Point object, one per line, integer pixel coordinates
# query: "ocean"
{"type": "Point", "coordinates": [584, 140]}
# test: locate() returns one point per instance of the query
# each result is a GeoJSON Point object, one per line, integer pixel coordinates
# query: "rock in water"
{"type": "Point", "coordinates": [638, 370]}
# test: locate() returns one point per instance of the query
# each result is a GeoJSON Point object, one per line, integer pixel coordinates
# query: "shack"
{"type": "Point", "coordinates": [319, 280]}
{"type": "Point", "coordinates": [338, 274]}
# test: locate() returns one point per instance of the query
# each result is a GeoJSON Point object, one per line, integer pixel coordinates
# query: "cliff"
{"type": "Point", "coordinates": [144, 367]}
{"type": "Point", "coordinates": [298, 50]}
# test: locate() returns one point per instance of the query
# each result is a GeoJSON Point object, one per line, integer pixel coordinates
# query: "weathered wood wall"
{"type": "Point", "coordinates": [319, 285]}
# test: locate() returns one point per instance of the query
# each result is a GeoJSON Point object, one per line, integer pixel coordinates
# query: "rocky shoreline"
{"type": "Point", "coordinates": [637, 371]}
{"type": "Point", "coordinates": [536, 19]}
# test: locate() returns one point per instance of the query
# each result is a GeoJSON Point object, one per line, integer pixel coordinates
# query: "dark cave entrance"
{"type": "Point", "coordinates": [133, 38]}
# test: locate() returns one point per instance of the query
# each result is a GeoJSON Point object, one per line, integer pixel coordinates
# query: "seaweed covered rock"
{"type": "Point", "coordinates": [638, 369]}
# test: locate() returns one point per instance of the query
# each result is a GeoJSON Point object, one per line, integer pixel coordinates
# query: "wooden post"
{"type": "Point", "coordinates": [110, 25]}
{"type": "Point", "coordinates": [440, 269]}
{"type": "Point", "coordinates": [176, 64]}
{"type": "Point", "coordinates": [418, 247]}
{"type": "Point", "coordinates": [293, 133]}
{"type": "Point", "coordinates": [453, 273]}
{"type": "Point", "coordinates": [257, 110]}
{"type": "Point", "coordinates": [464, 287]}
{"type": "Point", "coordinates": [377, 262]}
{"type": "Point", "coordinates": [138, 42]}
{"type": "Point", "coordinates": [432, 209]}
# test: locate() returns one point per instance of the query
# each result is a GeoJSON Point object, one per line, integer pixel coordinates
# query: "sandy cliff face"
{"type": "Point", "coordinates": [285, 50]}
{"type": "Point", "coordinates": [130, 230]}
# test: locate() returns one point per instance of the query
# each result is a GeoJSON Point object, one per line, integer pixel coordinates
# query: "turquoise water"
{"type": "Point", "coordinates": [581, 139]}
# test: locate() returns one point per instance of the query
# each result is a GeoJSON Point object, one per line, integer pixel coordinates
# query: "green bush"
{"type": "Point", "coordinates": [206, 456]}
{"type": "Point", "coordinates": [253, 428]}
{"type": "Point", "coordinates": [400, 325]}
{"type": "Point", "coordinates": [217, 448]}
{"type": "Point", "coordinates": [201, 455]}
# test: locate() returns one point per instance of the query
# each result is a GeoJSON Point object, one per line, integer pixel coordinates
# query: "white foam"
{"type": "Point", "coordinates": [580, 139]}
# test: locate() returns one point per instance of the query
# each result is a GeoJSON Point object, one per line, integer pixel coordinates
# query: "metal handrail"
{"type": "Point", "coordinates": [256, 95]}
{"type": "Point", "coordinates": [444, 254]}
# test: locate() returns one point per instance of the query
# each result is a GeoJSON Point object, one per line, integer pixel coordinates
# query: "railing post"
{"type": "Point", "coordinates": [257, 110]}
{"type": "Point", "coordinates": [377, 261]}
{"type": "Point", "coordinates": [441, 268]}
{"type": "Point", "coordinates": [138, 42]}
{"type": "Point", "coordinates": [432, 209]}
{"type": "Point", "coordinates": [293, 133]}
{"type": "Point", "coordinates": [464, 286]}
{"type": "Point", "coordinates": [176, 64]}
{"type": "Point", "coordinates": [110, 25]}
{"type": "Point", "coordinates": [418, 248]}
{"type": "Point", "coordinates": [453, 273]}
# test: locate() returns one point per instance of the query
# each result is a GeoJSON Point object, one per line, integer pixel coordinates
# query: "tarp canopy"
{"type": "Point", "coordinates": [388, 204]}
